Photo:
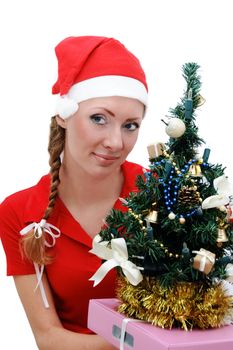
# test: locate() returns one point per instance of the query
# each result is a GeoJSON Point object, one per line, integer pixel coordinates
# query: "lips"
{"type": "Point", "coordinates": [106, 157]}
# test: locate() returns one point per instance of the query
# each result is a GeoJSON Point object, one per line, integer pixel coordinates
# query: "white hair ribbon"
{"type": "Point", "coordinates": [39, 273]}
{"type": "Point", "coordinates": [224, 191]}
{"type": "Point", "coordinates": [38, 231]}
{"type": "Point", "coordinates": [117, 255]}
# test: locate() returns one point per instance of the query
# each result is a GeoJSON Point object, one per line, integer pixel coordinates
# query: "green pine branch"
{"type": "Point", "coordinates": [183, 223]}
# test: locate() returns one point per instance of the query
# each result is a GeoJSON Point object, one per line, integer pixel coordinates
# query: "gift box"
{"type": "Point", "coordinates": [131, 334]}
{"type": "Point", "coordinates": [204, 261]}
{"type": "Point", "coordinates": [155, 149]}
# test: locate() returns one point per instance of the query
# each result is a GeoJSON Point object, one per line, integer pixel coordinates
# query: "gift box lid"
{"type": "Point", "coordinates": [103, 319]}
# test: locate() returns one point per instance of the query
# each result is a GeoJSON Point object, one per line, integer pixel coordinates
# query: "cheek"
{"type": "Point", "coordinates": [78, 134]}
{"type": "Point", "coordinates": [130, 141]}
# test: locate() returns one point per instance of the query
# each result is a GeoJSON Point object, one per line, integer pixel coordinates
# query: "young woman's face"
{"type": "Point", "coordinates": [101, 134]}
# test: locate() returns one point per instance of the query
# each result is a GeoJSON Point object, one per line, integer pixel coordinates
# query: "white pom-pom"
{"type": "Point", "coordinates": [66, 107]}
{"type": "Point", "coordinates": [175, 127]}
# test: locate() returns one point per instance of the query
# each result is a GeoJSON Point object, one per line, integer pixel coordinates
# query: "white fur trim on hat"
{"type": "Point", "coordinates": [66, 106]}
{"type": "Point", "coordinates": [103, 86]}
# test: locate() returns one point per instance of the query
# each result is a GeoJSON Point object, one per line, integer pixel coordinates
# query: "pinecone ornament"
{"type": "Point", "coordinates": [189, 197]}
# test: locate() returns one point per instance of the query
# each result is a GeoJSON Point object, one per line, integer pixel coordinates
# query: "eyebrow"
{"type": "Point", "coordinates": [107, 110]}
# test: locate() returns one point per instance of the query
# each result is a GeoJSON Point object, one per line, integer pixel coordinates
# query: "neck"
{"type": "Point", "coordinates": [84, 188]}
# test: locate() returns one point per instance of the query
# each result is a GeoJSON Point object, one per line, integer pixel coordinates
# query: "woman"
{"type": "Point", "coordinates": [47, 230]}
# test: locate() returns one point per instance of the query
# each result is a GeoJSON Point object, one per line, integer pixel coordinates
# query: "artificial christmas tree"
{"type": "Point", "coordinates": [173, 246]}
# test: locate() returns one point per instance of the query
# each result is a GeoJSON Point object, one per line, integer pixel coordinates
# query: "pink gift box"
{"type": "Point", "coordinates": [103, 319]}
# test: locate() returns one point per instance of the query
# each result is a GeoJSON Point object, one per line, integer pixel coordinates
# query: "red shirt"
{"type": "Point", "coordinates": [69, 274]}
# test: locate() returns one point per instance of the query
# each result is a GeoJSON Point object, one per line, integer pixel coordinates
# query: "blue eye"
{"type": "Point", "coordinates": [98, 119]}
{"type": "Point", "coordinates": [132, 126]}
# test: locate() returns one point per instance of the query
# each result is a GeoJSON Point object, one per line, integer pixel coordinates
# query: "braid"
{"type": "Point", "coordinates": [34, 248]}
{"type": "Point", "coordinates": [55, 148]}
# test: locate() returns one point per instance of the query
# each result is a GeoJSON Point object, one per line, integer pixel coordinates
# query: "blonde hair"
{"type": "Point", "coordinates": [33, 248]}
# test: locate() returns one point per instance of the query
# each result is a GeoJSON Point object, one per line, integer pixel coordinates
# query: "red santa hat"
{"type": "Point", "coordinates": [93, 66]}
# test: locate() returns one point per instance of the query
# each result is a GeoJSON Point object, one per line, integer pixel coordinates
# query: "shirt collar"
{"type": "Point", "coordinates": [38, 198]}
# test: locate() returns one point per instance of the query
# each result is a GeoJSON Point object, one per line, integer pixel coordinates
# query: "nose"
{"type": "Point", "coordinates": [114, 139]}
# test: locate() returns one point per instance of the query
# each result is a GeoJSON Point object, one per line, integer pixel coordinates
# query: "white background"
{"type": "Point", "coordinates": [163, 34]}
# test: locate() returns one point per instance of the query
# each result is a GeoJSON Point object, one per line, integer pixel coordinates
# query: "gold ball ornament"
{"type": "Point", "coordinates": [182, 220]}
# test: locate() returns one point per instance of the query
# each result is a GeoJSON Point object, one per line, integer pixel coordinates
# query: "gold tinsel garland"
{"type": "Point", "coordinates": [185, 305]}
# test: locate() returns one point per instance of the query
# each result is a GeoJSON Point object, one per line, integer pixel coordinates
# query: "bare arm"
{"type": "Point", "coordinates": [46, 326]}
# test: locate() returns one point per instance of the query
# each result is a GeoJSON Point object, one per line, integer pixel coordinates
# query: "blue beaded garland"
{"type": "Point", "coordinates": [169, 199]}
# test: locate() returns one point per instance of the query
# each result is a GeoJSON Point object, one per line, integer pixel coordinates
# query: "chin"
{"type": "Point", "coordinates": [102, 171]}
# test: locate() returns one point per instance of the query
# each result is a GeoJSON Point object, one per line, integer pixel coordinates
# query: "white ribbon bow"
{"type": "Point", "coordinates": [117, 255]}
{"type": "Point", "coordinates": [38, 230]}
{"type": "Point", "coordinates": [224, 190]}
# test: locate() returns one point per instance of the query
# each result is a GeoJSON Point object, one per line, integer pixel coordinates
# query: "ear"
{"type": "Point", "coordinates": [61, 122]}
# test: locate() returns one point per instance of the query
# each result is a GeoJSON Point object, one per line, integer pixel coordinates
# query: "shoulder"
{"type": "Point", "coordinates": [131, 171]}
{"type": "Point", "coordinates": [132, 168]}
{"type": "Point", "coordinates": [15, 206]}
{"type": "Point", "coordinates": [16, 211]}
